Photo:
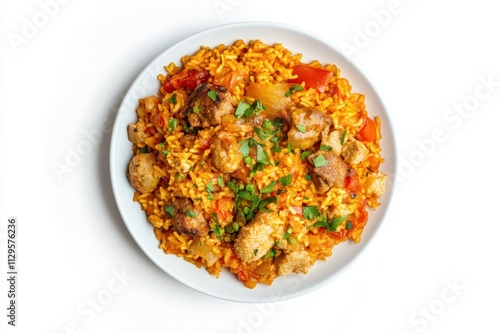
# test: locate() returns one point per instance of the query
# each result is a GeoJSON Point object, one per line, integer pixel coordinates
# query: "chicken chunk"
{"type": "Point", "coordinates": [309, 125]}
{"type": "Point", "coordinates": [207, 104]}
{"type": "Point", "coordinates": [225, 152]}
{"type": "Point", "coordinates": [255, 238]}
{"type": "Point", "coordinates": [188, 220]}
{"type": "Point", "coordinates": [332, 174]}
{"type": "Point", "coordinates": [375, 184]}
{"type": "Point", "coordinates": [334, 140]}
{"type": "Point", "coordinates": [141, 173]}
{"type": "Point", "coordinates": [136, 133]}
{"type": "Point", "coordinates": [297, 261]}
{"type": "Point", "coordinates": [354, 151]}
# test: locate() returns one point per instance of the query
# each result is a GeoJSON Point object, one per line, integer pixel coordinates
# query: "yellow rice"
{"type": "Point", "coordinates": [186, 173]}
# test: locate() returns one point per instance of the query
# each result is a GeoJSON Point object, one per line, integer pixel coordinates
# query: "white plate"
{"type": "Point", "coordinates": [227, 286]}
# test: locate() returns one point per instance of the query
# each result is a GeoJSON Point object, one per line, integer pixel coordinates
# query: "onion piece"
{"type": "Point", "coordinates": [272, 96]}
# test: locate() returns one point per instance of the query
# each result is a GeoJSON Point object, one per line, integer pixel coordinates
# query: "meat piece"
{"type": "Point", "coordinates": [354, 151]}
{"type": "Point", "coordinates": [136, 133]}
{"type": "Point", "coordinates": [255, 238]}
{"type": "Point", "coordinates": [375, 184]}
{"type": "Point", "coordinates": [308, 127]}
{"type": "Point", "coordinates": [225, 152]}
{"type": "Point", "coordinates": [206, 105]}
{"type": "Point", "coordinates": [141, 173]}
{"type": "Point", "coordinates": [334, 140]}
{"type": "Point", "coordinates": [297, 261]}
{"type": "Point", "coordinates": [187, 219]}
{"type": "Point", "coordinates": [332, 174]}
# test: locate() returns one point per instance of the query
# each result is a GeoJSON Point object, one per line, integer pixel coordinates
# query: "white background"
{"type": "Point", "coordinates": [433, 267]}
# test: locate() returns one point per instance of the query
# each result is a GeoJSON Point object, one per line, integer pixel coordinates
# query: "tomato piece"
{"type": "Point", "coordinates": [352, 184]}
{"type": "Point", "coordinates": [242, 276]}
{"type": "Point", "coordinates": [205, 145]}
{"type": "Point", "coordinates": [224, 209]}
{"type": "Point", "coordinates": [188, 79]}
{"type": "Point", "coordinates": [313, 77]}
{"type": "Point", "coordinates": [369, 130]}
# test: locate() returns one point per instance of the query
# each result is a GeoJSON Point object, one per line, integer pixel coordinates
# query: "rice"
{"type": "Point", "coordinates": [184, 165]}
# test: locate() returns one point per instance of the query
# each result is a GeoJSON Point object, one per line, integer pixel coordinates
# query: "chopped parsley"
{"type": "Point", "coordinates": [209, 188]}
{"type": "Point", "coordinates": [293, 89]}
{"type": "Point", "coordinates": [196, 109]}
{"type": "Point", "coordinates": [308, 177]}
{"type": "Point", "coordinates": [173, 99]}
{"type": "Point", "coordinates": [144, 149]}
{"type": "Point", "coordinates": [220, 181]}
{"type": "Point", "coordinates": [246, 110]}
{"type": "Point", "coordinates": [348, 225]}
{"type": "Point", "coordinates": [325, 148]}
{"type": "Point", "coordinates": [285, 180]}
{"type": "Point", "coordinates": [311, 212]}
{"type": "Point", "coordinates": [172, 124]}
{"type": "Point", "coordinates": [190, 213]}
{"type": "Point", "coordinates": [166, 152]}
{"type": "Point", "coordinates": [331, 225]}
{"type": "Point", "coordinates": [212, 94]}
{"type": "Point", "coordinates": [304, 155]}
{"type": "Point", "coordinates": [319, 161]}
{"type": "Point", "coordinates": [217, 229]}
{"type": "Point", "coordinates": [301, 128]}
{"type": "Point", "coordinates": [262, 156]}
{"type": "Point", "coordinates": [170, 210]}
{"type": "Point", "coordinates": [255, 251]}
{"type": "Point", "coordinates": [268, 189]}
{"type": "Point", "coordinates": [342, 137]}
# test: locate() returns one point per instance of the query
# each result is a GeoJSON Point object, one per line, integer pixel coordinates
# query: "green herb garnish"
{"type": "Point", "coordinates": [325, 148]}
{"type": "Point", "coordinates": [293, 89]}
{"type": "Point", "coordinates": [172, 124]}
{"type": "Point", "coordinates": [319, 161]}
{"type": "Point", "coordinates": [268, 189]}
{"type": "Point", "coordinates": [262, 156]}
{"type": "Point", "coordinates": [342, 137]}
{"type": "Point", "coordinates": [173, 99]}
{"type": "Point", "coordinates": [170, 210]}
{"type": "Point", "coordinates": [212, 94]}
{"type": "Point", "coordinates": [301, 128]}
{"type": "Point", "coordinates": [310, 212]}
{"type": "Point", "coordinates": [285, 180]}
{"type": "Point", "coordinates": [331, 225]}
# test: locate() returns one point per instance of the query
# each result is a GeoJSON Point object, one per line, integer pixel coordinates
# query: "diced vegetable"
{"type": "Point", "coordinates": [273, 97]}
{"type": "Point", "coordinates": [188, 79]}
{"type": "Point", "coordinates": [313, 77]}
{"type": "Point", "coordinates": [369, 131]}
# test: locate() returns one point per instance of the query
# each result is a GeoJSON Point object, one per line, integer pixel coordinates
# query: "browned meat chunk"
{"type": "Point", "coordinates": [295, 262]}
{"type": "Point", "coordinates": [187, 220]}
{"type": "Point", "coordinates": [331, 173]}
{"type": "Point", "coordinates": [225, 152]}
{"type": "Point", "coordinates": [206, 105]}
{"type": "Point", "coordinates": [354, 151]}
{"type": "Point", "coordinates": [255, 238]}
{"type": "Point", "coordinates": [136, 133]}
{"type": "Point", "coordinates": [308, 127]}
{"type": "Point", "coordinates": [141, 173]}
